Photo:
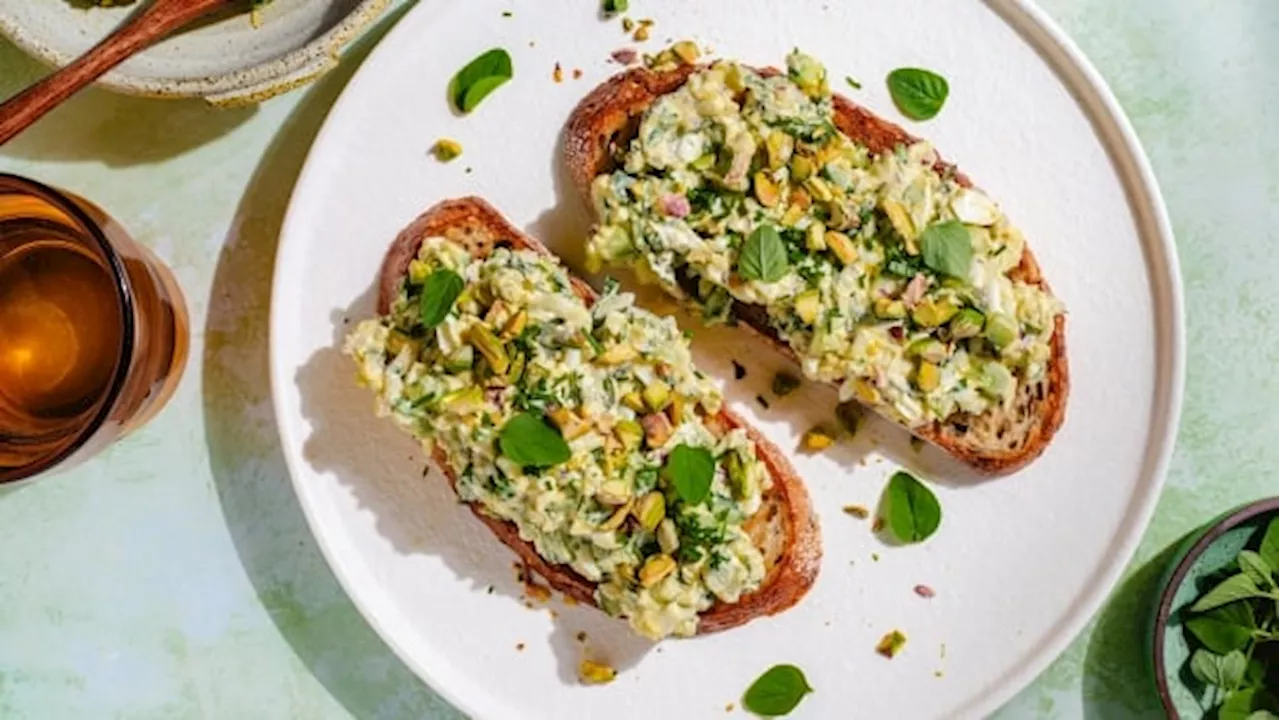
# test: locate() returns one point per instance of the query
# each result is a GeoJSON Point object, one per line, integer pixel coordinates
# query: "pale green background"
{"type": "Point", "coordinates": [174, 577]}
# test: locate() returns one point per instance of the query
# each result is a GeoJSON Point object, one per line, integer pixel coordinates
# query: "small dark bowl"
{"type": "Point", "coordinates": [1201, 554]}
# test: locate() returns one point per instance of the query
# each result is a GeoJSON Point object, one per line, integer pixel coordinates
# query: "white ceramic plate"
{"type": "Point", "coordinates": [226, 60]}
{"type": "Point", "coordinates": [1019, 563]}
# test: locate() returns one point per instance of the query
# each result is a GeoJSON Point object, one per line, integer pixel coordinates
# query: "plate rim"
{"type": "Point", "coordinates": [1146, 203]}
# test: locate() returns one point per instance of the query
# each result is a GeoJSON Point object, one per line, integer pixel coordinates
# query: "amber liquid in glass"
{"type": "Point", "coordinates": [60, 330]}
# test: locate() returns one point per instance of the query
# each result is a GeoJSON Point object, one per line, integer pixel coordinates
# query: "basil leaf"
{"type": "Point", "coordinates": [913, 511]}
{"type": "Point", "coordinates": [1225, 628]}
{"type": "Point", "coordinates": [439, 292]}
{"type": "Point", "coordinates": [690, 470]}
{"type": "Point", "coordinates": [479, 78]}
{"type": "Point", "coordinates": [1245, 704]}
{"type": "Point", "coordinates": [1252, 564]}
{"type": "Point", "coordinates": [763, 256]}
{"type": "Point", "coordinates": [1205, 667]}
{"type": "Point", "coordinates": [777, 691]}
{"type": "Point", "coordinates": [917, 92]}
{"type": "Point", "coordinates": [1236, 587]}
{"type": "Point", "coordinates": [1270, 548]}
{"type": "Point", "coordinates": [947, 248]}
{"type": "Point", "coordinates": [528, 441]}
{"type": "Point", "coordinates": [1232, 668]}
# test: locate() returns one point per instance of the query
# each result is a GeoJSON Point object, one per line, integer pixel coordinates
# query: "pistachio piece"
{"type": "Point", "coordinates": [997, 381]}
{"type": "Point", "coordinates": [655, 569]}
{"type": "Point", "coordinates": [516, 324]}
{"type": "Point", "coordinates": [650, 510]}
{"type": "Point", "coordinates": [618, 517]}
{"type": "Point", "coordinates": [779, 146]}
{"type": "Point", "coordinates": [932, 312]}
{"type": "Point", "coordinates": [928, 376]}
{"type": "Point", "coordinates": [418, 271]}
{"type": "Point", "coordinates": [516, 368]}
{"type": "Point", "coordinates": [629, 433]}
{"type": "Point", "coordinates": [739, 480]}
{"type": "Point", "coordinates": [1000, 330]}
{"type": "Point", "coordinates": [657, 429]}
{"type": "Point", "coordinates": [398, 342]}
{"type": "Point", "coordinates": [808, 305]}
{"type": "Point", "coordinates": [490, 347]}
{"type": "Point", "coordinates": [766, 190]}
{"type": "Point", "coordinates": [614, 492]}
{"type": "Point", "coordinates": [464, 401]}
{"type": "Point", "coordinates": [594, 673]}
{"type": "Point", "coordinates": [815, 236]}
{"type": "Point", "coordinates": [866, 392]}
{"type": "Point", "coordinates": [889, 309]}
{"type": "Point", "coordinates": [900, 219]}
{"type": "Point", "coordinates": [801, 168]}
{"type": "Point", "coordinates": [656, 395]}
{"type": "Point", "coordinates": [687, 51]}
{"type": "Point", "coordinates": [927, 349]}
{"type": "Point", "coordinates": [818, 188]}
{"type": "Point", "coordinates": [633, 400]}
{"type": "Point", "coordinates": [446, 149]}
{"type": "Point", "coordinates": [841, 245]}
{"type": "Point", "coordinates": [571, 426]}
{"type": "Point", "coordinates": [668, 539]}
{"type": "Point", "coordinates": [966, 324]}
{"type": "Point", "coordinates": [816, 439]}
{"type": "Point", "coordinates": [617, 354]}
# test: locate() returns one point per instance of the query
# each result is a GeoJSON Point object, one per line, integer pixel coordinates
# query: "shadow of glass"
{"type": "Point", "coordinates": [1117, 683]}
{"type": "Point", "coordinates": [267, 527]}
{"type": "Point", "coordinates": [117, 130]}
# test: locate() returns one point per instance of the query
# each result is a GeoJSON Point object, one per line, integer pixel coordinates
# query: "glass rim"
{"type": "Point", "coordinates": [124, 293]}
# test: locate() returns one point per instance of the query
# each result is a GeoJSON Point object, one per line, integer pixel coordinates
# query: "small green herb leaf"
{"type": "Point", "coordinates": [947, 249]}
{"type": "Point", "coordinates": [1236, 587]}
{"type": "Point", "coordinates": [1252, 564]}
{"type": "Point", "coordinates": [439, 292]}
{"type": "Point", "coordinates": [853, 83]}
{"type": "Point", "coordinates": [1232, 667]}
{"type": "Point", "coordinates": [763, 256]}
{"type": "Point", "coordinates": [913, 511]}
{"type": "Point", "coordinates": [690, 470]}
{"type": "Point", "coordinates": [777, 691]}
{"type": "Point", "coordinates": [1224, 628]}
{"type": "Point", "coordinates": [1245, 704]}
{"type": "Point", "coordinates": [918, 93]}
{"type": "Point", "coordinates": [528, 441]}
{"type": "Point", "coordinates": [479, 78]}
{"type": "Point", "coordinates": [1271, 547]}
{"type": "Point", "coordinates": [1206, 667]}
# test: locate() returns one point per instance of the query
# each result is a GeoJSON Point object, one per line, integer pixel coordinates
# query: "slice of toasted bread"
{"type": "Point", "coordinates": [996, 442]}
{"type": "Point", "coordinates": [784, 529]}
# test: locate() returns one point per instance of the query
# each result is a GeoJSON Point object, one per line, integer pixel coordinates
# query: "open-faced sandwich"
{"type": "Point", "coordinates": [874, 265]}
{"type": "Point", "coordinates": [579, 431]}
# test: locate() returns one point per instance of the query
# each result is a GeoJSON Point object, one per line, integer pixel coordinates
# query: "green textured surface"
{"type": "Point", "coordinates": [174, 576]}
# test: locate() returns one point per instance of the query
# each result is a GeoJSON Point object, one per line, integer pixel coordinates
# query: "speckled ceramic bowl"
{"type": "Point", "coordinates": [1200, 554]}
{"type": "Point", "coordinates": [225, 60]}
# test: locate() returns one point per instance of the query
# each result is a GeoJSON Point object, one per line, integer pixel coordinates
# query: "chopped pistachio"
{"type": "Point", "coordinates": [900, 219]}
{"type": "Point", "coordinates": [628, 24]}
{"type": "Point", "coordinates": [739, 481]}
{"type": "Point", "coordinates": [857, 511]}
{"type": "Point", "coordinates": [866, 392]}
{"type": "Point", "coordinates": [655, 569]}
{"type": "Point", "coordinates": [594, 673]}
{"type": "Point", "coordinates": [801, 168]}
{"type": "Point", "coordinates": [571, 426]}
{"type": "Point", "coordinates": [815, 236]}
{"type": "Point", "coordinates": [928, 376]}
{"type": "Point", "coordinates": [766, 190]}
{"type": "Point", "coordinates": [516, 324]}
{"type": "Point", "coordinates": [932, 312]}
{"type": "Point", "coordinates": [842, 246]}
{"type": "Point", "coordinates": [687, 51]}
{"type": "Point", "coordinates": [889, 308]}
{"type": "Point", "coordinates": [808, 304]}
{"type": "Point", "coordinates": [816, 439]}
{"type": "Point", "coordinates": [466, 400]}
{"type": "Point", "coordinates": [779, 145]}
{"type": "Point", "coordinates": [418, 271]}
{"type": "Point", "coordinates": [891, 644]}
{"type": "Point", "coordinates": [446, 149]}
{"type": "Point", "coordinates": [490, 347]}
{"type": "Point", "coordinates": [657, 429]}
{"type": "Point", "coordinates": [657, 395]}
{"type": "Point", "coordinates": [618, 517]}
{"type": "Point", "coordinates": [668, 538]}
{"type": "Point", "coordinates": [614, 492]}
{"type": "Point", "coordinates": [650, 510]}
{"type": "Point", "coordinates": [1000, 330]}
{"type": "Point", "coordinates": [633, 400]}
{"type": "Point", "coordinates": [966, 324]}
{"type": "Point", "coordinates": [927, 348]}
{"type": "Point", "coordinates": [618, 354]}
{"type": "Point", "coordinates": [641, 34]}
{"type": "Point", "coordinates": [629, 433]}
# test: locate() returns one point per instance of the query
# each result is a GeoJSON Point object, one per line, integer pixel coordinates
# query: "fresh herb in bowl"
{"type": "Point", "coordinates": [1232, 628]}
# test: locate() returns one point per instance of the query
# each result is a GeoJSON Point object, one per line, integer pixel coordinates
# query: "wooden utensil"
{"type": "Point", "coordinates": [158, 20]}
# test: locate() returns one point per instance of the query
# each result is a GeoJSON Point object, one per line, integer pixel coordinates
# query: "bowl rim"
{"type": "Point", "coordinates": [1209, 534]}
{"type": "Point", "coordinates": [273, 76]}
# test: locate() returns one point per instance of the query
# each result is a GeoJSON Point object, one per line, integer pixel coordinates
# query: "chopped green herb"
{"type": "Point", "coordinates": [614, 6]}
{"type": "Point", "coordinates": [853, 83]}
{"type": "Point", "coordinates": [777, 692]}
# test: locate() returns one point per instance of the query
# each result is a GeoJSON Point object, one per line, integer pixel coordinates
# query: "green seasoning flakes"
{"type": "Point", "coordinates": [588, 427]}
{"type": "Point", "coordinates": [883, 273]}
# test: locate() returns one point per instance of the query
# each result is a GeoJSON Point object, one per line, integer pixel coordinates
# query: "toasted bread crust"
{"type": "Point", "coordinates": [785, 528]}
{"type": "Point", "coordinates": [997, 442]}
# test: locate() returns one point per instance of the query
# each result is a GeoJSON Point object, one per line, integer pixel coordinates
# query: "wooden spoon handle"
{"type": "Point", "coordinates": [157, 21]}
